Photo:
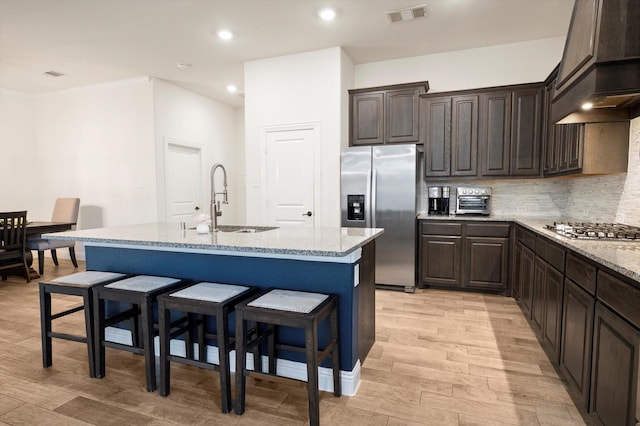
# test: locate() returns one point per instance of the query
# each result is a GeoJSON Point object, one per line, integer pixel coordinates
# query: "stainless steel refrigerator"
{"type": "Point", "coordinates": [378, 190]}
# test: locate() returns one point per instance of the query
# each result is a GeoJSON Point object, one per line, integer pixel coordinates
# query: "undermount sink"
{"type": "Point", "coordinates": [245, 229]}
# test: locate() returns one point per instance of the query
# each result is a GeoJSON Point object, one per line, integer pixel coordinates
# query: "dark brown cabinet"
{"type": "Point", "coordinates": [487, 262]}
{"type": "Point", "coordinates": [367, 118]}
{"type": "Point", "coordinates": [552, 313]}
{"type": "Point", "coordinates": [492, 132]}
{"type": "Point", "coordinates": [525, 132]}
{"type": "Point", "coordinates": [587, 320]}
{"type": "Point", "coordinates": [495, 133]}
{"type": "Point", "coordinates": [450, 126]}
{"type": "Point", "coordinates": [577, 334]}
{"type": "Point", "coordinates": [388, 114]}
{"type": "Point", "coordinates": [465, 255]}
{"type": "Point", "coordinates": [440, 259]}
{"type": "Point", "coordinates": [436, 123]}
{"type": "Point", "coordinates": [614, 374]}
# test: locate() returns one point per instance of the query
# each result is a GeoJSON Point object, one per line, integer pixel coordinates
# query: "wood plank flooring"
{"type": "Point", "coordinates": [440, 358]}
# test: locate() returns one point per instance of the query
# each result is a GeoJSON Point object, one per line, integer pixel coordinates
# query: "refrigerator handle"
{"type": "Point", "coordinates": [368, 203]}
{"type": "Point", "coordinates": [374, 190]}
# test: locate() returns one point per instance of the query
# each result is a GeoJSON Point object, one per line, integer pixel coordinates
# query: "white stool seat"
{"type": "Point", "coordinates": [87, 278]}
{"type": "Point", "coordinates": [289, 300]}
{"type": "Point", "coordinates": [210, 292]}
{"type": "Point", "coordinates": [142, 283]}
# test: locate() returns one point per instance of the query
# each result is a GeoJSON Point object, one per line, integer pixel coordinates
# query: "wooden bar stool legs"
{"type": "Point", "coordinates": [79, 284]}
{"type": "Point", "coordinates": [140, 292]}
{"type": "Point", "coordinates": [205, 301]}
{"type": "Point", "coordinates": [292, 309]}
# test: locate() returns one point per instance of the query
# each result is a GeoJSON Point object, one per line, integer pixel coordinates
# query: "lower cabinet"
{"type": "Point", "coordinates": [587, 320]}
{"type": "Point", "coordinates": [614, 374]}
{"type": "Point", "coordinates": [464, 255]}
{"type": "Point", "coordinates": [577, 334]}
{"type": "Point", "coordinates": [440, 260]}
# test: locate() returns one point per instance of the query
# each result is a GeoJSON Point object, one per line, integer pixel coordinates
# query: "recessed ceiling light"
{"type": "Point", "coordinates": [327, 14]}
{"type": "Point", "coordinates": [225, 34]}
{"type": "Point", "coordinates": [587, 105]}
{"type": "Point", "coordinates": [232, 88]}
{"type": "Point", "coordinates": [183, 66]}
{"type": "Point", "coordinates": [53, 73]}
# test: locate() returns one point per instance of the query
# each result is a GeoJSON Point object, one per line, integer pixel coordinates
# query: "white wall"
{"type": "Point", "coordinates": [96, 143]}
{"type": "Point", "coordinates": [17, 148]}
{"type": "Point", "coordinates": [515, 63]}
{"type": "Point", "coordinates": [189, 117]}
{"type": "Point", "coordinates": [303, 88]}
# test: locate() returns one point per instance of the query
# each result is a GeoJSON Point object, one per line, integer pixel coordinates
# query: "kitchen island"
{"type": "Point", "coordinates": [327, 260]}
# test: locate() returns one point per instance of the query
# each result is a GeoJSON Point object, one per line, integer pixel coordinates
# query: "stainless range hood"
{"type": "Point", "coordinates": [600, 64]}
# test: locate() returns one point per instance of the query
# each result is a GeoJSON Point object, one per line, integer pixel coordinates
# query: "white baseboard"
{"type": "Point", "coordinates": [350, 380]}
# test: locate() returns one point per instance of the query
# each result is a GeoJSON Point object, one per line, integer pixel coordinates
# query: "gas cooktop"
{"type": "Point", "coordinates": [596, 231]}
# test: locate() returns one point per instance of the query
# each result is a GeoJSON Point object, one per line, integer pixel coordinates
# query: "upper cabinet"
{"type": "Point", "coordinates": [582, 148]}
{"type": "Point", "coordinates": [388, 114]}
{"type": "Point", "coordinates": [492, 132]}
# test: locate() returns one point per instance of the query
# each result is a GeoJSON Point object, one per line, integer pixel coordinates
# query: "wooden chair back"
{"type": "Point", "coordinates": [13, 239]}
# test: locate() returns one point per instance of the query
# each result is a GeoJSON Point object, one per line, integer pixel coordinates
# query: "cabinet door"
{"type": "Point", "coordinates": [401, 111]}
{"type": "Point", "coordinates": [574, 142]}
{"type": "Point", "coordinates": [495, 133]}
{"type": "Point", "coordinates": [464, 136]}
{"type": "Point", "coordinates": [437, 131]}
{"type": "Point", "coordinates": [614, 374]}
{"type": "Point", "coordinates": [526, 280]}
{"type": "Point", "coordinates": [440, 259]}
{"type": "Point", "coordinates": [537, 294]}
{"type": "Point", "coordinates": [562, 153]}
{"type": "Point", "coordinates": [367, 118]}
{"type": "Point", "coordinates": [525, 133]}
{"type": "Point", "coordinates": [517, 261]}
{"type": "Point", "coordinates": [487, 263]}
{"type": "Point", "coordinates": [577, 335]}
{"type": "Point", "coordinates": [552, 313]}
{"type": "Point", "coordinates": [549, 147]}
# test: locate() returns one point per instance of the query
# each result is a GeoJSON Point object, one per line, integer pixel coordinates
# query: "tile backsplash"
{"type": "Point", "coordinates": [606, 198]}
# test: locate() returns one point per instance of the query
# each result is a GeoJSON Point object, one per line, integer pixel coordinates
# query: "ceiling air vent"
{"type": "Point", "coordinates": [408, 14]}
{"type": "Point", "coordinates": [53, 73]}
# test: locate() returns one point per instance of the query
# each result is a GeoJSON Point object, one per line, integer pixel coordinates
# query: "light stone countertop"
{"type": "Point", "coordinates": [293, 241]}
{"type": "Point", "coordinates": [620, 256]}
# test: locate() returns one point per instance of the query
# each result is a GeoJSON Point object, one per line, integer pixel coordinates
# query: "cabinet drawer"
{"type": "Point", "coordinates": [500, 230]}
{"type": "Point", "coordinates": [620, 297]}
{"type": "Point", "coordinates": [542, 246]}
{"type": "Point", "coordinates": [555, 256]}
{"type": "Point", "coordinates": [581, 272]}
{"type": "Point", "coordinates": [526, 237]}
{"type": "Point", "coordinates": [444, 228]}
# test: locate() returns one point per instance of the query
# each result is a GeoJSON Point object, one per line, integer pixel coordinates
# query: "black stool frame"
{"type": "Point", "coordinates": [203, 309]}
{"type": "Point", "coordinates": [46, 318]}
{"type": "Point", "coordinates": [141, 316]}
{"type": "Point", "coordinates": [309, 322]}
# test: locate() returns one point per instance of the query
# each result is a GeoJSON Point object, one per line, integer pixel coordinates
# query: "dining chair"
{"type": "Point", "coordinates": [65, 210]}
{"type": "Point", "coordinates": [12, 243]}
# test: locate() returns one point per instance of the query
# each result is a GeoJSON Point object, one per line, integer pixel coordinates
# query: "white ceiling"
{"type": "Point", "coordinates": [95, 41]}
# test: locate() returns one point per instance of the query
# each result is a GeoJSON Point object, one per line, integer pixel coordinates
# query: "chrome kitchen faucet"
{"type": "Point", "coordinates": [214, 208]}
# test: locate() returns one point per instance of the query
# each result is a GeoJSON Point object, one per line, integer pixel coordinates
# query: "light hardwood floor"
{"type": "Point", "coordinates": [440, 358]}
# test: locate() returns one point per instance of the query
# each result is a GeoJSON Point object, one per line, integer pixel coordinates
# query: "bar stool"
{"type": "Point", "coordinates": [140, 292]}
{"type": "Point", "coordinates": [206, 300]}
{"type": "Point", "coordinates": [276, 307]}
{"type": "Point", "coordinates": [78, 284]}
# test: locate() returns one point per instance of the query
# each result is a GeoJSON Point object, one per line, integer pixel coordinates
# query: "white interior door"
{"type": "Point", "coordinates": [183, 171]}
{"type": "Point", "coordinates": [289, 157]}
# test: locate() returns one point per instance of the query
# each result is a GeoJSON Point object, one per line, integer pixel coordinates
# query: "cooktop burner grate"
{"type": "Point", "coordinates": [596, 231]}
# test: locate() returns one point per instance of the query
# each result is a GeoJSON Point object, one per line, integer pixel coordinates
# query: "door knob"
{"type": "Point", "coordinates": [307, 214]}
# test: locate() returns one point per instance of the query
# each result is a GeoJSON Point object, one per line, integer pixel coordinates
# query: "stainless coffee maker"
{"type": "Point", "coordinates": [438, 200]}
{"type": "Point", "coordinates": [435, 199]}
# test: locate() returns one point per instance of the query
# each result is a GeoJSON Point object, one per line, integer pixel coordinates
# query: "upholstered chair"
{"type": "Point", "coordinates": [65, 210]}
